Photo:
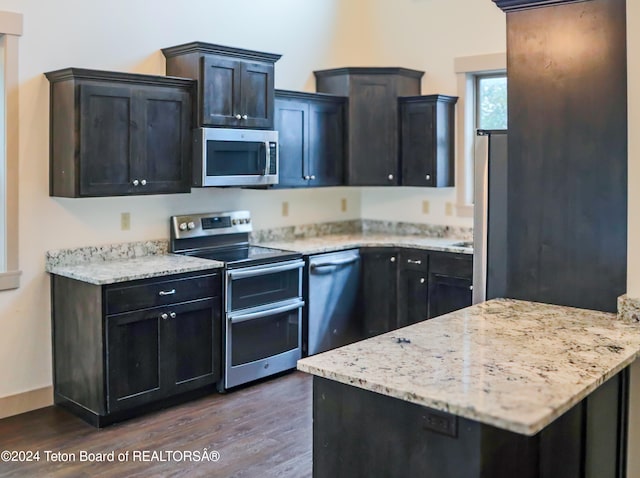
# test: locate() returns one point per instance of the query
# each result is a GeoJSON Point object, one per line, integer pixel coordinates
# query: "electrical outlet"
{"type": "Point", "coordinates": [125, 221]}
{"type": "Point", "coordinates": [285, 208]}
{"type": "Point", "coordinates": [425, 207]}
{"type": "Point", "coordinates": [343, 204]}
{"type": "Point", "coordinates": [448, 209]}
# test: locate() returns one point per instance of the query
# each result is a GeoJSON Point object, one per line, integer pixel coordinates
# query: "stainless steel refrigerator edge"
{"type": "Point", "coordinates": [490, 216]}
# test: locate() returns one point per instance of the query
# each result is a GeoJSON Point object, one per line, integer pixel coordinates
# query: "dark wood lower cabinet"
{"type": "Point", "coordinates": [378, 290]}
{"type": "Point", "coordinates": [149, 349]}
{"type": "Point", "coordinates": [361, 433]}
{"type": "Point", "coordinates": [450, 283]}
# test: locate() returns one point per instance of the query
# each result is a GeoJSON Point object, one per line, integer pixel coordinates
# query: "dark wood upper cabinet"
{"type": "Point", "coordinates": [311, 137]}
{"type": "Point", "coordinates": [427, 125]}
{"type": "Point", "coordinates": [235, 86]}
{"type": "Point", "coordinates": [119, 133]}
{"type": "Point", "coordinates": [567, 177]}
{"type": "Point", "coordinates": [512, 5]}
{"type": "Point", "coordinates": [372, 145]}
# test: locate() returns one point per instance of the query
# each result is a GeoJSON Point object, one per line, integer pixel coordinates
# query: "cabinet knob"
{"type": "Point", "coordinates": [428, 177]}
{"type": "Point", "coordinates": [238, 117]}
{"type": "Point", "coordinates": [172, 315]}
{"type": "Point", "coordinates": [306, 178]}
{"type": "Point", "coordinates": [390, 177]}
{"type": "Point", "coordinates": [143, 182]}
{"type": "Point", "coordinates": [164, 316]}
{"type": "Point", "coordinates": [244, 117]}
{"type": "Point", "coordinates": [312, 176]}
{"type": "Point", "coordinates": [471, 287]}
{"type": "Point", "coordinates": [136, 182]}
{"type": "Point", "coordinates": [393, 259]}
{"type": "Point", "coordinates": [422, 280]}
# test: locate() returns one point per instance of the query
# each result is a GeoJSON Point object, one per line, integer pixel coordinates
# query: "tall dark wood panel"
{"type": "Point", "coordinates": [373, 93]}
{"type": "Point", "coordinates": [567, 207]}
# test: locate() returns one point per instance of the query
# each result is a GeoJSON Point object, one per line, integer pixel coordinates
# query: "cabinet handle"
{"type": "Point", "coordinates": [143, 182]}
{"type": "Point", "coordinates": [167, 292]}
{"type": "Point", "coordinates": [422, 280]}
{"type": "Point", "coordinates": [390, 177]}
{"type": "Point", "coordinates": [164, 316]}
{"type": "Point", "coordinates": [428, 177]}
{"type": "Point", "coordinates": [412, 261]}
{"type": "Point", "coordinates": [244, 117]}
{"type": "Point", "coordinates": [312, 176]}
{"type": "Point", "coordinates": [393, 259]}
{"type": "Point", "coordinates": [172, 315]}
{"type": "Point", "coordinates": [238, 117]}
{"type": "Point", "coordinates": [136, 182]}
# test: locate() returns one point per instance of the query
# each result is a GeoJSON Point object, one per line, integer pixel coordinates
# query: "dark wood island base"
{"type": "Point", "coordinates": [359, 433]}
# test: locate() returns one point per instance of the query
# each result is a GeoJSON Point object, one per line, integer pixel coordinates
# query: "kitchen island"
{"type": "Point", "coordinates": [500, 389]}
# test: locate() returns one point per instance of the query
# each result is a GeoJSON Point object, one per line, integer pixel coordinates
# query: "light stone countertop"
{"type": "Point", "coordinates": [337, 242]}
{"type": "Point", "coordinates": [143, 267]}
{"type": "Point", "coordinates": [512, 364]}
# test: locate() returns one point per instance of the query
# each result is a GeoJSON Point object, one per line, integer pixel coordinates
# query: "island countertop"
{"type": "Point", "coordinates": [512, 364]}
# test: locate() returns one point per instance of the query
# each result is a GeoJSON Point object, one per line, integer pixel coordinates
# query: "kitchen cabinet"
{"type": "Point", "coordinates": [372, 144]}
{"type": "Point", "coordinates": [118, 133]}
{"type": "Point", "coordinates": [413, 289]}
{"type": "Point", "coordinates": [311, 138]}
{"type": "Point", "coordinates": [123, 348]}
{"type": "Point", "coordinates": [427, 126]}
{"type": "Point", "coordinates": [449, 283]}
{"type": "Point", "coordinates": [235, 86]}
{"type": "Point", "coordinates": [567, 150]}
{"type": "Point", "coordinates": [379, 290]}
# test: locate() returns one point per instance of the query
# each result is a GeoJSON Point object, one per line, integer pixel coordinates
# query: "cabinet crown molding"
{"type": "Point", "coordinates": [137, 78]}
{"type": "Point", "coordinates": [209, 48]}
{"type": "Point", "coordinates": [515, 5]}
{"type": "Point", "coordinates": [369, 71]}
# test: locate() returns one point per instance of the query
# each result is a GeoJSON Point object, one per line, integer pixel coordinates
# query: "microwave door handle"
{"type": "Point", "coordinates": [266, 158]}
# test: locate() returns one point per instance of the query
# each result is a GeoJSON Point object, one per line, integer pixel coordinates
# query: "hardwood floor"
{"type": "Point", "coordinates": [263, 430]}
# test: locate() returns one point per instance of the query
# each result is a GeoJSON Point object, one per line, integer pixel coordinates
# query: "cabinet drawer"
{"type": "Point", "coordinates": [161, 292]}
{"type": "Point", "coordinates": [414, 259]}
{"type": "Point", "coordinates": [450, 264]}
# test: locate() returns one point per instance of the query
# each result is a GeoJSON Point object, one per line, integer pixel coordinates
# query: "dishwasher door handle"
{"type": "Point", "coordinates": [343, 262]}
{"type": "Point", "coordinates": [236, 319]}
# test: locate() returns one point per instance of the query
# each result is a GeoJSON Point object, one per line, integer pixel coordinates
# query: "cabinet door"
{"type": "Point", "coordinates": [450, 283]}
{"type": "Point", "coordinates": [256, 98]}
{"type": "Point", "coordinates": [326, 143]}
{"type": "Point", "coordinates": [292, 124]}
{"type": "Point", "coordinates": [220, 91]}
{"type": "Point", "coordinates": [193, 340]}
{"type": "Point", "coordinates": [105, 139]}
{"type": "Point", "coordinates": [373, 153]}
{"type": "Point", "coordinates": [379, 290]}
{"type": "Point", "coordinates": [163, 161]}
{"type": "Point", "coordinates": [413, 287]}
{"type": "Point", "coordinates": [134, 359]}
{"type": "Point", "coordinates": [417, 140]}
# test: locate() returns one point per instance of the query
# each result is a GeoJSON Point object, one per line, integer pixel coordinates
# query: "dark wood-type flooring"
{"type": "Point", "coordinates": [263, 430]}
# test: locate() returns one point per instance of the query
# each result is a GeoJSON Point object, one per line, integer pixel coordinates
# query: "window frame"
{"type": "Point", "coordinates": [467, 69]}
{"type": "Point", "coordinates": [11, 26]}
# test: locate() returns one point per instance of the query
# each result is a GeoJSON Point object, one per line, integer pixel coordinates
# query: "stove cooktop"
{"type": "Point", "coordinates": [247, 255]}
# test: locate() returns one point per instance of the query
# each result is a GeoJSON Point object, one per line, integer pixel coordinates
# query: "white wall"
{"type": "Point", "coordinates": [126, 35]}
{"type": "Point", "coordinates": [427, 35]}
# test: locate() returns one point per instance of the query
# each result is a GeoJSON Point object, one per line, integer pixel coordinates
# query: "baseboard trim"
{"type": "Point", "coordinates": [26, 401]}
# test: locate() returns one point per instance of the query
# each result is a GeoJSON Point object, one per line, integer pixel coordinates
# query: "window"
{"type": "Point", "coordinates": [10, 31]}
{"type": "Point", "coordinates": [482, 103]}
{"type": "Point", "coordinates": [491, 101]}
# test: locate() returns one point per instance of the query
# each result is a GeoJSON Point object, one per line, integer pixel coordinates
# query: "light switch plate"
{"type": "Point", "coordinates": [285, 208]}
{"type": "Point", "coordinates": [125, 221]}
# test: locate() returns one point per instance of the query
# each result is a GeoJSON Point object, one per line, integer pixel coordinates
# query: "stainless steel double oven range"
{"type": "Point", "coordinates": [263, 294]}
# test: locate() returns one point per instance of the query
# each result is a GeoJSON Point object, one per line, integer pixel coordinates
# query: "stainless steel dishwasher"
{"type": "Point", "coordinates": [332, 318]}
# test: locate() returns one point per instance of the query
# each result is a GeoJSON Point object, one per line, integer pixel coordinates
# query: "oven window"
{"type": "Point", "coordinates": [264, 289]}
{"type": "Point", "coordinates": [235, 158]}
{"type": "Point", "coordinates": [264, 337]}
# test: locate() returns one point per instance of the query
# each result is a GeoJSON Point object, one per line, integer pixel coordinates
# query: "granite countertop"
{"type": "Point", "coordinates": [337, 242]}
{"type": "Point", "coordinates": [113, 263]}
{"type": "Point", "coordinates": [512, 364]}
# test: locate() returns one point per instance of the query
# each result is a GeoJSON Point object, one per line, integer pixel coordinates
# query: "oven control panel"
{"type": "Point", "coordinates": [210, 224]}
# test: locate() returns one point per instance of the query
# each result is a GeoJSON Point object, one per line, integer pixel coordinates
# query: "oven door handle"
{"type": "Point", "coordinates": [236, 319]}
{"type": "Point", "coordinates": [241, 274]}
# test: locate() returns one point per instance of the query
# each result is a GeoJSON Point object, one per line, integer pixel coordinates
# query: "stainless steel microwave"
{"type": "Point", "coordinates": [235, 157]}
